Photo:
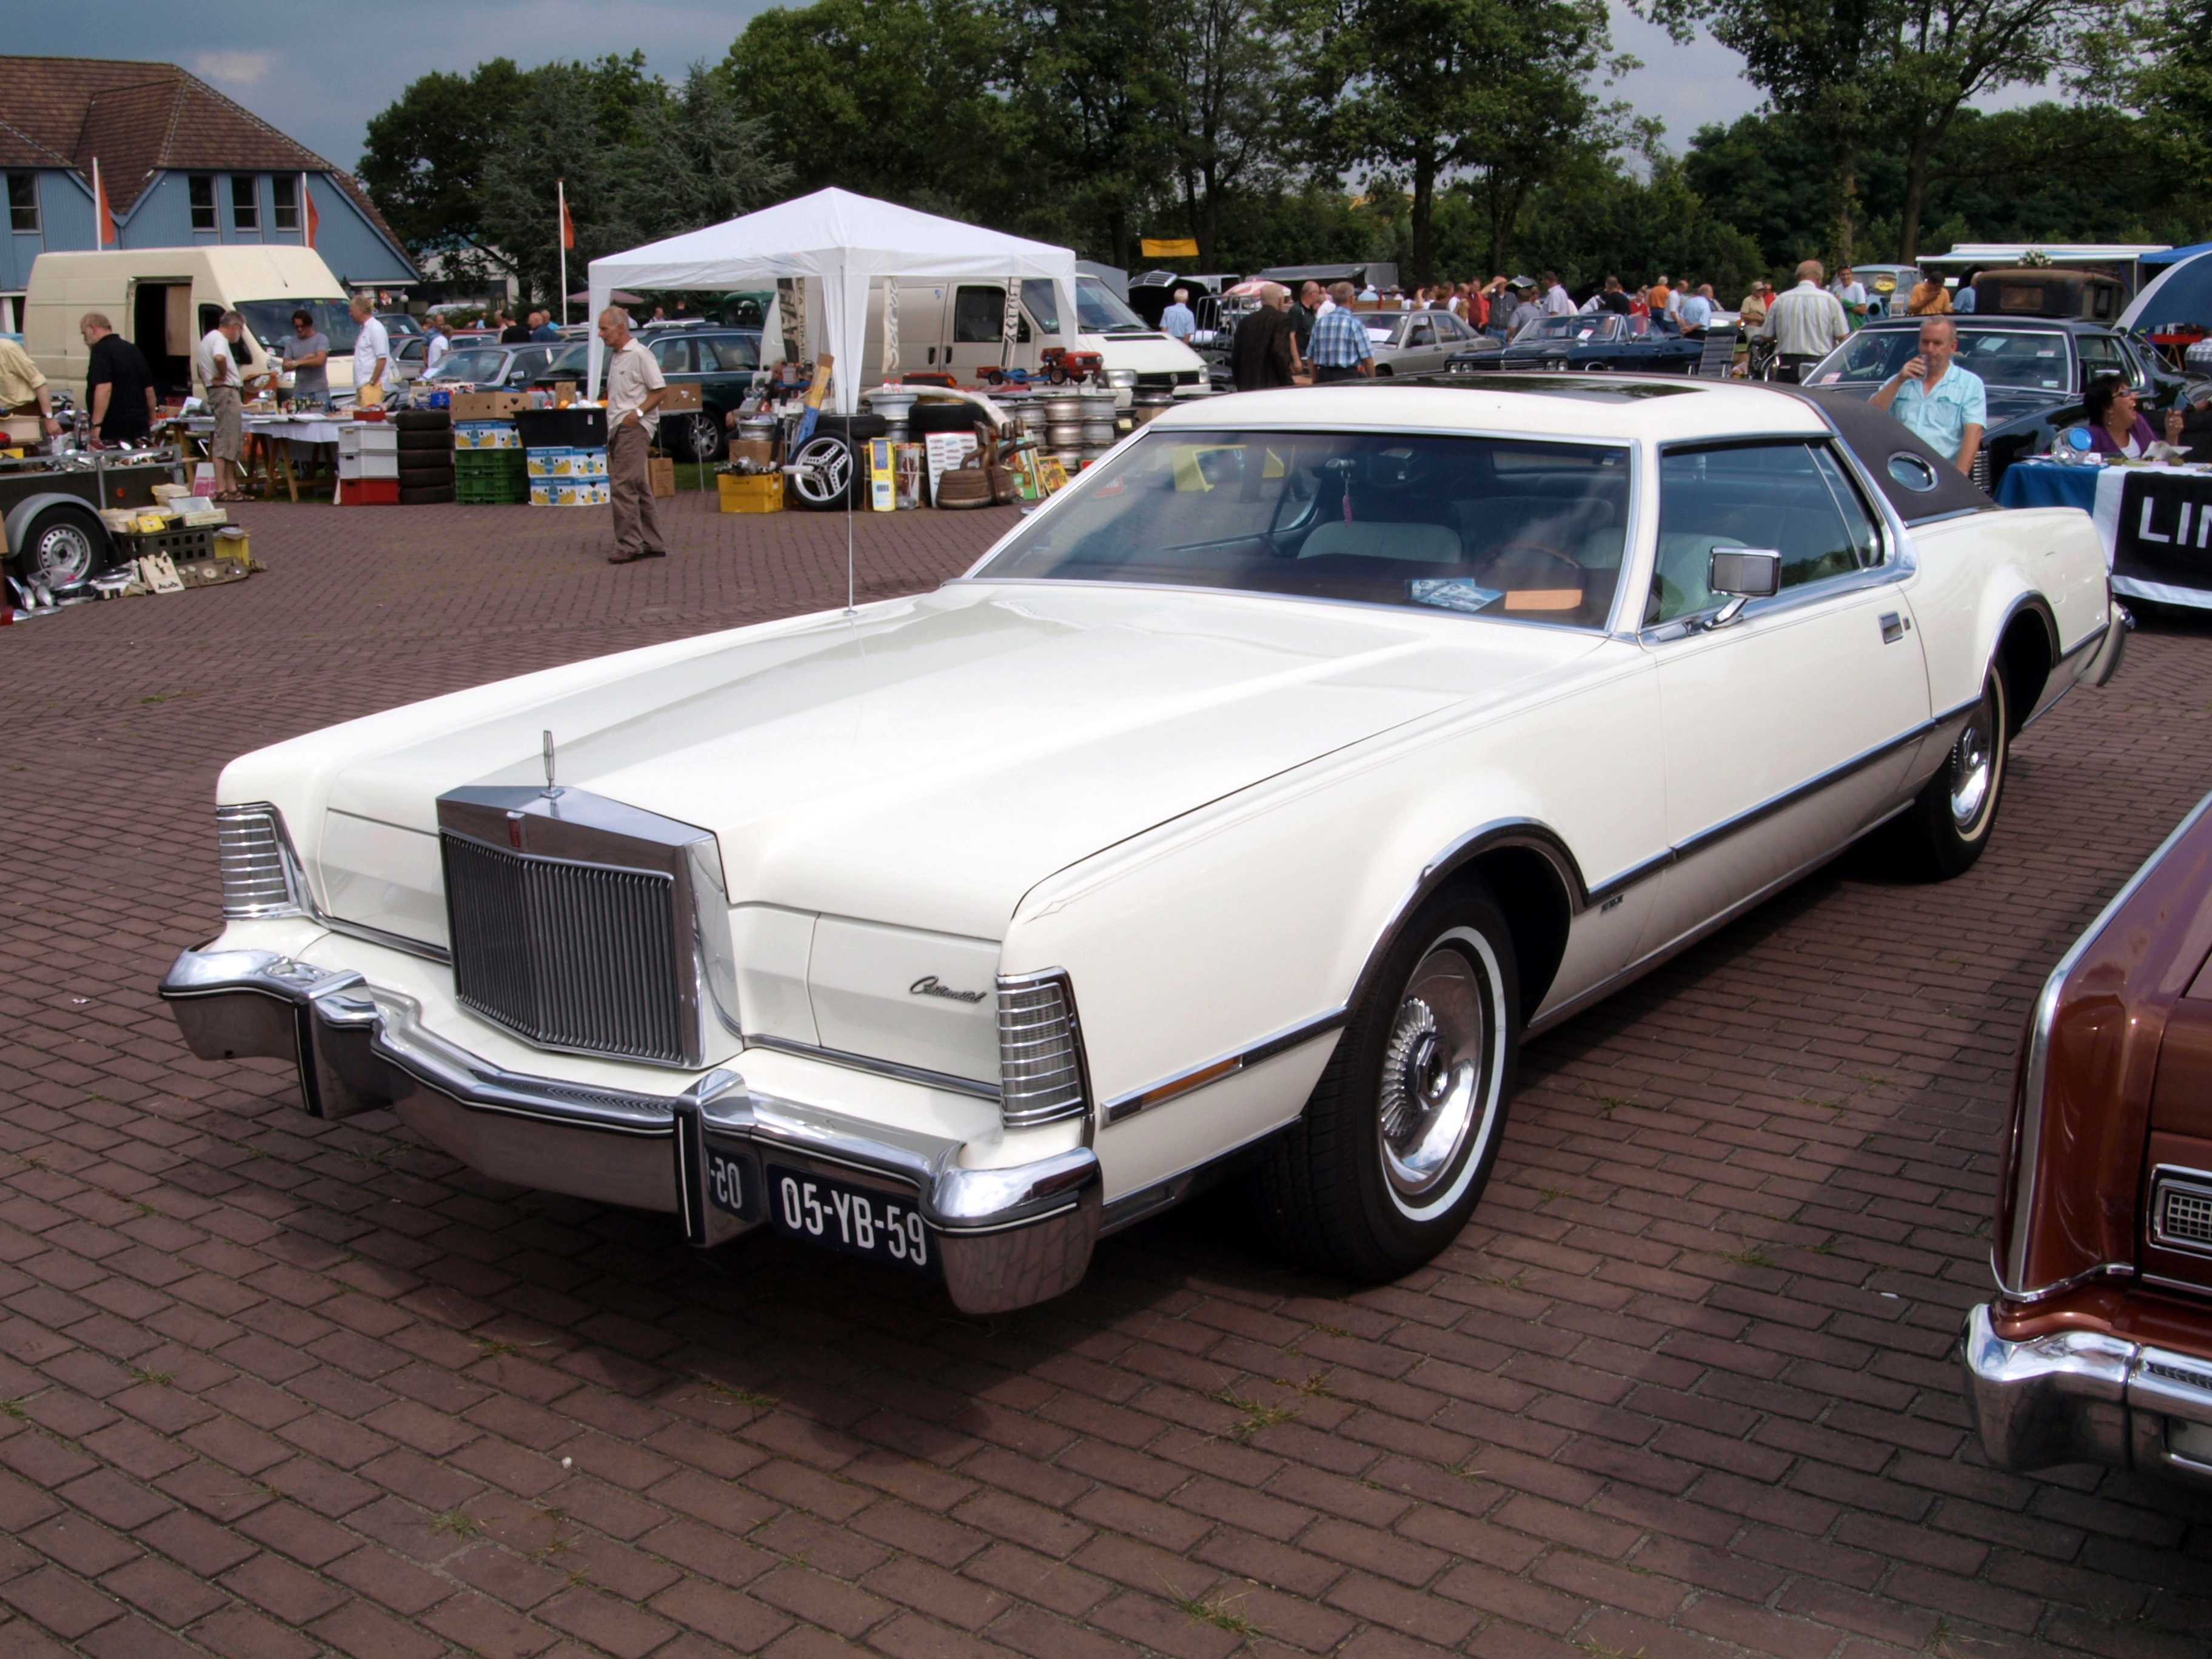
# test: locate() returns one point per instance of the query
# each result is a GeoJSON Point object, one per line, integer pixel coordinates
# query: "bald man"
{"type": "Point", "coordinates": [634, 389]}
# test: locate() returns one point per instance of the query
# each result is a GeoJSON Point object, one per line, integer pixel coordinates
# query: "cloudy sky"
{"type": "Point", "coordinates": [319, 72]}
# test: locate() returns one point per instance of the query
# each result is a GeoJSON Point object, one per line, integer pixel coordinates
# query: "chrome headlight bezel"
{"type": "Point", "coordinates": [260, 872]}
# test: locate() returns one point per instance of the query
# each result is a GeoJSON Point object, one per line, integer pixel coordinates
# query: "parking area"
{"type": "Point", "coordinates": [1684, 1389]}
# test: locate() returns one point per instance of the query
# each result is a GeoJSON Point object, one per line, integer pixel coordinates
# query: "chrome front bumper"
{"type": "Point", "coordinates": [1005, 1237]}
{"type": "Point", "coordinates": [2085, 1396]}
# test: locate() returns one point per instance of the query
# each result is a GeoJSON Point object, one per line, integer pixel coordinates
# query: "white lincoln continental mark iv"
{"type": "Point", "coordinates": [1238, 814]}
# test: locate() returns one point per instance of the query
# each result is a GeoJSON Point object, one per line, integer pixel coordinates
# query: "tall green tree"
{"type": "Point", "coordinates": [1228, 70]}
{"type": "Point", "coordinates": [1421, 91]}
{"type": "Point", "coordinates": [700, 158]}
{"type": "Point", "coordinates": [423, 161]}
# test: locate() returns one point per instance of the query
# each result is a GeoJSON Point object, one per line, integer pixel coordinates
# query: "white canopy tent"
{"type": "Point", "coordinates": [840, 243]}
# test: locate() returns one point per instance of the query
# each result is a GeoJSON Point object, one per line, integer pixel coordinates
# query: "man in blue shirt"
{"type": "Point", "coordinates": [1177, 322]}
{"type": "Point", "coordinates": [1697, 312]}
{"type": "Point", "coordinates": [1338, 347]}
{"type": "Point", "coordinates": [544, 330]}
{"type": "Point", "coordinates": [1946, 406]}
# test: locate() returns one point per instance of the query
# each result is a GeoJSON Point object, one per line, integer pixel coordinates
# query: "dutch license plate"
{"type": "Point", "coordinates": [881, 1226]}
{"type": "Point", "coordinates": [732, 1179]}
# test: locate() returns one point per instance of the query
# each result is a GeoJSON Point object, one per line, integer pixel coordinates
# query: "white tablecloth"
{"type": "Point", "coordinates": [300, 429]}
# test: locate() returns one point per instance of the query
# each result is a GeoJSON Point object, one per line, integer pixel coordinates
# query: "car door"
{"type": "Point", "coordinates": [1785, 729]}
{"type": "Point", "coordinates": [1418, 353]}
{"type": "Point", "coordinates": [978, 328]}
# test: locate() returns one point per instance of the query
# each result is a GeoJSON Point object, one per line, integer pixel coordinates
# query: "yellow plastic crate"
{"type": "Point", "coordinates": [757, 493]}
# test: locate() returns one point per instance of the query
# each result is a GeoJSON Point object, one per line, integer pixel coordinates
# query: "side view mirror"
{"type": "Point", "coordinates": [1743, 574]}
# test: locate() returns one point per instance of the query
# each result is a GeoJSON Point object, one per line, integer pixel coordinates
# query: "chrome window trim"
{"type": "Point", "coordinates": [2011, 1271]}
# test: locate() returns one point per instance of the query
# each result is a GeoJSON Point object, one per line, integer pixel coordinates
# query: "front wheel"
{"type": "Point", "coordinates": [1398, 1141]}
{"type": "Point", "coordinates": [1948, 823]}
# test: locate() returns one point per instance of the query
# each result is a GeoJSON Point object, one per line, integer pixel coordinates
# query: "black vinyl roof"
{"type": "Point", "coordinates": [1899, 461]}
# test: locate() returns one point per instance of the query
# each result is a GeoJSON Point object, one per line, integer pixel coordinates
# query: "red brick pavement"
{"type": "Point", "coordinates": [1684, 1389]}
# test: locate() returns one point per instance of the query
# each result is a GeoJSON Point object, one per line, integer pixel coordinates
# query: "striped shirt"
{"type": "Point", "coordinates": [1340, 340]}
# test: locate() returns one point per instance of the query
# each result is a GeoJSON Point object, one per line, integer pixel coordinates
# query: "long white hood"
{"type": "Point", "coordinates": [923, 764]}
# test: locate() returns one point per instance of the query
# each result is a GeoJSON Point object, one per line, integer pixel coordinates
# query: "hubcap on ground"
{"type": "Point", "coordinates": [1432, 1074]}
{"type": "Point", "coordinates": [824, 469]}
{"type": "Point", "coordinates": [1973, 764]}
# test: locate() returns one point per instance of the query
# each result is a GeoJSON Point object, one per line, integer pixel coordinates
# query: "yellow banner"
{"type": "Point", "coordinates": [1171, 247]}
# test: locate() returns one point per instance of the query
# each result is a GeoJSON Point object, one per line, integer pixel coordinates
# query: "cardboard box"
{"type": "Point", "coordinates": [487, 405]}
{"type": "Point", "coordinates": [761, 451]}
{"type": "Point", "coordinates": [487, 435]}
{"type": "Point", "coordinates": [661, 473]}
{"type": "Point", "coordinates": [570, 492]}
{"type": "Point", "coordinates": [677, 399]}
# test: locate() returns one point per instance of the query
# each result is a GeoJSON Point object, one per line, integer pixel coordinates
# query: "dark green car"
{"type": "Point", "coordinates": [720, 363]}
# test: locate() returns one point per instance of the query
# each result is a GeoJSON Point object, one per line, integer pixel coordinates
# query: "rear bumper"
{"type": "Point", "coordinates": [2088, 1396]}
{"type": "Point", "coordinates": [1005, 1237]}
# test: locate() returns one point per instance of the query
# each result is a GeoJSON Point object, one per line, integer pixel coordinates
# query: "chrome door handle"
{"type": "Point", "coordinates": [1892, 628]}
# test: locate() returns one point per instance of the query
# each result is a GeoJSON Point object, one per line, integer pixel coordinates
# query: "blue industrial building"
{"type": "Point", "coordinates": [182, 166]}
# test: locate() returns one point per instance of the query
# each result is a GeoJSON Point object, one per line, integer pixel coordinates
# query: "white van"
{"type": "Point", "coordinates": [166, 299]}
{"type": "Point", "coordinates": [958, 326]}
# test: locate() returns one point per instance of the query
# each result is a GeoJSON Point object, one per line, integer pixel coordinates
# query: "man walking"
{"type": "Point", "coordinates": [1944, 405]}
{"type": "Point", "coordinates": [634, 389]}
{"type": "Point", "coordinates": [372, 352]}
{"type": "Point", "coordinates": [218, 373]}
{"type": "Point", "coordinates": [1340, 351]}
{"type": "Point", "coordinates": [1178, 322]}
{"type": "Point", "coordinates": [118, 386]}
{"type": "Point", "coordinates": [1806, 323]}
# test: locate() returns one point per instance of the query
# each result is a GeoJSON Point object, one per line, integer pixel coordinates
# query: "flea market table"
{"type": "Point", "coordinates": [2155, 521]}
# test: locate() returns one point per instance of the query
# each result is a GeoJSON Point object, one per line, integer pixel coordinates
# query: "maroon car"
{"type": "Point", "coordinates": [2097, 1348]}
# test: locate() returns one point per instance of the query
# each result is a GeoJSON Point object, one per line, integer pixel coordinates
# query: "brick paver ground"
{"type": "Point", "coordinates": [1684, 1389]}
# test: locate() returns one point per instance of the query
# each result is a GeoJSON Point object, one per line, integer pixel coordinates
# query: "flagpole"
{"type": "Point", "coordinates": [561, 188]}
{"type": "Point", "coordinates": [99, 209]}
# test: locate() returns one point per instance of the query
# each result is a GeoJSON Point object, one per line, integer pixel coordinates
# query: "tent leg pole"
{"type": "Point", "coordinates": [850, 608]}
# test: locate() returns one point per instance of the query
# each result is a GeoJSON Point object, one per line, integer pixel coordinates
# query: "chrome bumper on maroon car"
{"type": "Point", "coordinates": [1004, 1238]}
{"type": "Point", "coordinates": [2087, 1396]}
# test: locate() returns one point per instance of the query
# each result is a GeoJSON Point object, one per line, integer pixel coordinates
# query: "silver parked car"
{"type": "Point", "coordinates": [1416, 341]}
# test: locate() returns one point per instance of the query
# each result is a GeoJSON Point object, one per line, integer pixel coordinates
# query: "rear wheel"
{"type": "Point", "coordinates": [63, 546]}
{"type": "Point", "coordinates": [1949, 822]}
{"type": "Point", "coordinates": [1398, 1139]}
{"type": "Point", "coordinates": [700, 435]}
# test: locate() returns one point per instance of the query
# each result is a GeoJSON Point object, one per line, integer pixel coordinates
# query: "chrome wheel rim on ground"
{"type": "Point", "coordinates": [823, 469]}
{"type": "Point", "coordinates": [1435, 1084]}
{"type": "Point", "coordinates": [61, 556]}
{"type": "Point", "coordinates": [1973, 764]}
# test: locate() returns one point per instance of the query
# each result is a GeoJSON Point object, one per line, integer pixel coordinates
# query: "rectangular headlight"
{"type": "Point", "coordinates": [259, 878]}
{"type": "Point", "coordinates": [1041, 1074]}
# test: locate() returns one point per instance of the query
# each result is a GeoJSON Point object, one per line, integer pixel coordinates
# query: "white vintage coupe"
{"type": "Point", "coordinates": [1240, 812]}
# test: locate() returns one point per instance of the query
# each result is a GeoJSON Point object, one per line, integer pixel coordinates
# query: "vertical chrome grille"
{"type": "Point", "coordinates": [1040, 1068]}
{"type": "Point", "coordinates": [576, 955]}
{"type": "Point", "coordinates": [255, 861]}
{"type": "Point", "coordinates": [2181, 1214]}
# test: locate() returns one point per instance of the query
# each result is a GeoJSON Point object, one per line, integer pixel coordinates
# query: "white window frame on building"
{"type": "Point", "coordinates": [244, 204]}
{"type": "Point", "coordinates": [284, 203]}
{"type": "Point", "coordinates": [198, 185]}
{"type": "Point", "coordinates": [23, 203]}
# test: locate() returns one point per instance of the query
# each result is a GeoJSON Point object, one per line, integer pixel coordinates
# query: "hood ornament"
{"type": "Point", "coordinates": [549, 789]}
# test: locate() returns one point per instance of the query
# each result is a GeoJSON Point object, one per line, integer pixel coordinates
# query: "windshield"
{"type": "Point", "coordinates": [1583, 325]}
{"type": "Point", "coordinates": [1527, 530]}
{"type": "Point", "coordinates": [1098, 309]}
{"type": "Point", "coordinates": [2034, 358]}
{"type": "Point", "coordinates": [570, 359]}
{"type": "Point", "coordinates": [271, 321]}
{"type": "Point", "coordinates": [478, 365]}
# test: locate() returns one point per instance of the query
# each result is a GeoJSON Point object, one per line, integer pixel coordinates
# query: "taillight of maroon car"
{"type": "Point", "coordinates": [2108, 1163]}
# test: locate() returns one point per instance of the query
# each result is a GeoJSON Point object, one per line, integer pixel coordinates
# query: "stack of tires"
{"type": "Point", "coordinates": [425, 456]}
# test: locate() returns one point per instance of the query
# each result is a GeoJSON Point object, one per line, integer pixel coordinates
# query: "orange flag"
{"type": "Point", "coordinates": [104, 224]}
{"type": "Point", "coordinates": [567, 224]}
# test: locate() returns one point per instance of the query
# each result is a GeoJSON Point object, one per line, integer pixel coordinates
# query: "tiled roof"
{"type": "Point", "coordinates": [138, 119]}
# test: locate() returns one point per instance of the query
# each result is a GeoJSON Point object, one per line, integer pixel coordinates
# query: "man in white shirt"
{"type": "Point", "coordinates": [218, 373]}
{"type": "Point", "coordinates": [634, 389]}
{"type": "Point", "coordinates": [1557, 301]}
{"type": "Point", "coordinates": [372, 350]}
{"type": "Point", "coordinates": [1178, 322]}
{"type": "Point", "coordinates": [1853, 294]}
{"type": "Point", "coordinates": [1806, 323]}
{"type": "Point", "coordinates": [442, 341]}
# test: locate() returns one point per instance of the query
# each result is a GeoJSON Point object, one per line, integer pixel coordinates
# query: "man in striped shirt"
{"type": "Point", "coordinates": [1338, 347]}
